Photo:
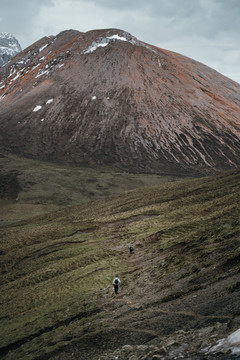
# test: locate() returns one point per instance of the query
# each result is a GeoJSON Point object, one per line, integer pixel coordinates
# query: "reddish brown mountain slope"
{"type": "Point", "coordinates": [104, 97]}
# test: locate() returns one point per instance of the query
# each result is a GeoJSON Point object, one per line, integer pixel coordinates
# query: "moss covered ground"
{"type": "Point", "coordinates": [57, 268]}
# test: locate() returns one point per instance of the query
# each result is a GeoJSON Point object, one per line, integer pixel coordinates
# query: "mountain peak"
{"type": "Point", "coordinates": [118, 101]}
{"type": "Point", "coordinates": [6, 35]}
{"type": "Point", "coordinates": [9, 47]}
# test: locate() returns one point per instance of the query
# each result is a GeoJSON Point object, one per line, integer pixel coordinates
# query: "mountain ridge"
{"type": "Point", "coordinates": [115, 100]}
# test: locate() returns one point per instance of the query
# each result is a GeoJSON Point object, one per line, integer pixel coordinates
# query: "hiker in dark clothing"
{"type": "Point", "coordinates": [130, 249]}
{"type": "Point", "coordinates": [116, 282]}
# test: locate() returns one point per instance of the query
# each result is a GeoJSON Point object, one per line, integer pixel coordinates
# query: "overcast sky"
{"type": "Point", "coordinates": [205, 30]}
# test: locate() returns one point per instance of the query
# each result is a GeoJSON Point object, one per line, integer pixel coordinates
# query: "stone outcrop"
{"type": "Point", "coordinates": [201, 344]}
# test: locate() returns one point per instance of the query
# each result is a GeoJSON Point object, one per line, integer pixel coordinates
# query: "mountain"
{"type": "Point", "coordinates": [105, 97]}
{"type": "Point", "coordinates": [9, 47]}
{"type": "Point", "coordinates": [179, 293]}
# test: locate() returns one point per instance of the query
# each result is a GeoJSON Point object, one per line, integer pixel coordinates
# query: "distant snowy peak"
{"type": "Point", "coordinates": [9, 47]}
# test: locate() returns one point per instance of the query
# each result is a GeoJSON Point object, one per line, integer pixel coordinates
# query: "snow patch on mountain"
{"type": "Point", "coordinates": [43, 47]}
{"type": "Point", "coordinates": [42, 72]}
{"type": "Point", "coordinates": [37, 108]}
{"type": "Point", "coordinates": [231, 343]}
{"type": "Point", "coordinates": [104, 41]}
{"type": "Point", "coordinates": [48, 68]}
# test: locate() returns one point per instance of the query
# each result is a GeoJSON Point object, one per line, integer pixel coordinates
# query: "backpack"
{"type": "Point", "coordinates": [115, 281]}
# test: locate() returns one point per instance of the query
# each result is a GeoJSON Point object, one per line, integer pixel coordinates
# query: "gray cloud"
{"type": "Point", "coordinates": [17, 17]}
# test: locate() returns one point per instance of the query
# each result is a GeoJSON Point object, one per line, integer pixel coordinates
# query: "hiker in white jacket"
{"type": "Point", "coordinates": [116, 282]}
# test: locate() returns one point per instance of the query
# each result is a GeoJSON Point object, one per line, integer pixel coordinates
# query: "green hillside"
{"type": "Point", "coordinates": [31, 187]}
{"type": "Point", "coordinates": [57, 270]}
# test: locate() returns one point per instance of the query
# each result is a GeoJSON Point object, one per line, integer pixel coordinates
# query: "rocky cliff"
{"type": "Point", "coordinates": [104, 97]}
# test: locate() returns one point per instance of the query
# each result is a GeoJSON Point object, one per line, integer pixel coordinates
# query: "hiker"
{"type": "Point", "coordinates": [116, 282]}
{"type": "Point", "coordinates": [130, 249]}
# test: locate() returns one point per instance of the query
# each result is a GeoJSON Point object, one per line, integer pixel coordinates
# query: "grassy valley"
{"type": "Point", "coordinates": [57, 268]}
{"type": "Point", "coordinates": [32, 187]}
